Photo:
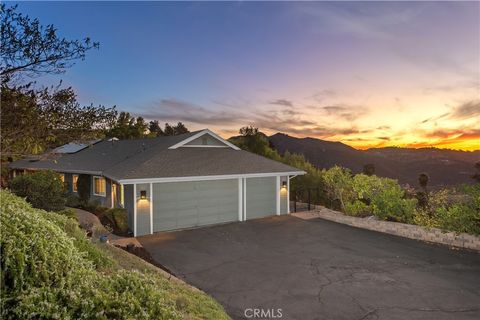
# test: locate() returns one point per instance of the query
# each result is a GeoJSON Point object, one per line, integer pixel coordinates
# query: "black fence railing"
{"type": "Point", "coordinates": [305, 199]}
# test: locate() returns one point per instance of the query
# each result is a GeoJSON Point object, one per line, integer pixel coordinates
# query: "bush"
{"type": "Point", "coordinates": [69, 213]}
{"type": "Point", "coordinates": [390, 205]}
{"type": "Point", "coordinates": [358, 209]}
{"type": "Point", "coordinates": [43, 189]}
{"type": "Point", "coordinates": [338, 183]}
{"type": "Point", "coordinates": [93, 206]}
{"type": "Point", "coordinates": [117, 220]}
{"type": "Point", "coordinates": [73, 201]}
{"type": "Point", "coordinates": [51, 271]}
{"type": "Point", "coordinates": [452, 210]}
{"type": "Point", "coordinates": [83, 187]}
{"type": "Point", "coordinates": [385, 198]}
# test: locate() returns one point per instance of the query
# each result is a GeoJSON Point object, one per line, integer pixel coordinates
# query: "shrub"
{"type": "Point", "coordinates": [452, 210]}
{"type": "Point", "coordinates": [93, 206]}
{"type": "Point", "coordinates": [69, 213]}
{"type": "Point", "coordinates": [117, 219]}
{"type": "Point", "coordinates": [385, 197]}
{"type": "Point", "coordinates": [43, 189]}
{"type": "Point", "coordinates": [338, 182]}
{"type": "Point", "coordinates": [49, 272]}
{"type": "Point", "coordinates": [390, 205]}
{"type": "Point", "coordinates": [73, 201]}
{"type": "Point", "coordinates": [358, 209]}
{"type": "Point", "coordinates": [83, 187]}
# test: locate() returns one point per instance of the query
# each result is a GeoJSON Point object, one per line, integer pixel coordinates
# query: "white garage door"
{"type": "Point", "coordinates": [261, 197]}
{"type": "Point", "coordinates": [178, 205]}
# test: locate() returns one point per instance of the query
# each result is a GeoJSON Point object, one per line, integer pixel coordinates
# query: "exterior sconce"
{"type": "Point", "coordinates": [284, 185]}
{"type": "Point", "coordinates": [143, 194]}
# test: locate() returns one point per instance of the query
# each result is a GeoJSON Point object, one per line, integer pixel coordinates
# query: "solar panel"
{"type": "Point", "coordinates": [73, 147]}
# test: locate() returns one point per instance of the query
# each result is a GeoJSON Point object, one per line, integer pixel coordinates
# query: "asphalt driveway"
{"type": "Point", "coordinates": [318, 269]}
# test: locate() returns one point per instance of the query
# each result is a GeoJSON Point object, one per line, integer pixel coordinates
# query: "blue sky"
{"type": "Point", "coordinates": [367, 74]}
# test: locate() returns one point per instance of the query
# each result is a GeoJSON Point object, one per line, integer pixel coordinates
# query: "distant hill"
{"type": "Point", "coordinates": [445, 167]}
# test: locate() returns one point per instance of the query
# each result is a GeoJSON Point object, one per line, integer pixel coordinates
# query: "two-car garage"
{"type": "Point", "coordinates": [173, 205]}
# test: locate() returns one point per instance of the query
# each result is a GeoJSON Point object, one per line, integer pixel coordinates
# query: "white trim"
{"type": "Point", "coordinates": [203, 146]}
{"type": "Point", "coordinates": [240, 199]}
{"type": "Point", "coordinates": [216, 177]}
{"type": "Point", "coordinates": [122, 196]}
{"type": "Point", "coordinates": [288, 194]}
{"type": "Point", "coordinates": [111, 194]}
{"type": "Point", "coordinates": [151, 208]}
{"type": "Point", "coordinates": [134, 210]}
{"type": "Point", "coordinates": [277, 194]}
{"type": "Point", "coordinates": [244, 199]}
{"type": "Point", "coordinates": [201, 133]}
{"type": "Point", "coordinates": [104, 194]}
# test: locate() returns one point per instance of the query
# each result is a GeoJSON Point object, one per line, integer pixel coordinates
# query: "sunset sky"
{"type": "Point", "coordinates": [367, 74]}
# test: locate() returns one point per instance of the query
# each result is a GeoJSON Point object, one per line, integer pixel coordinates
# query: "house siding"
{"type": "Point", "coordinates": [104, 200]}
{"type": "Point", "coordinates": [129, 203]}
{"type": "Point", "coordinates": [143, 210]}
{"type": "Point", "coordinates": [209, 140]}
{"type": "Point", "coordinates": [283, 195]}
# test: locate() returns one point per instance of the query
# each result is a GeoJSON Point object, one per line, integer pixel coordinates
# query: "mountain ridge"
{"type": "Point", "coordinates": [444, 166]}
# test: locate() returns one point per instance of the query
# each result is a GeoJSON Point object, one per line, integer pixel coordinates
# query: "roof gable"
{"type": "Point", "coordinates": [213, 140]}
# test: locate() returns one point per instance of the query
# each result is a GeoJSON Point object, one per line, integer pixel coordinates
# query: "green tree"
{"type": "Point", "coordinates": [369, 169]}
{"type": "Point", "coordinates": [124, 127]}
{"type": "Point", "coordinates": [169, 130]}
{"type": "Point", "coordinates": [180, 129]}
{"type": "Point", "coordinates": [30, 49]}
{"type": "Point", "coordinates": [84, 188]}
{"type": "Point", "coordinates": [382, 197]}
{"type": "Point", "coordinates": [154, 129]}
{"type": "Point", "coordinates": [338, 183]}
{"type": "Point", "coordinates": [140, 127]}
{"type": "Point", "coordinates": [254, 141]}
{"type": "Point", "coordinates": [43, 189]}
{"type": "Point", "coordinates": [476, 176]}
{"type": "Point", "coordinates": [423, 179]}
{"type": "Point", "coordinates": [34, 120]}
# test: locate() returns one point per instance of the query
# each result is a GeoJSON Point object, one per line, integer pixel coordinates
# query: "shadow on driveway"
{"type": "Point", "coordinates": [318, 269]}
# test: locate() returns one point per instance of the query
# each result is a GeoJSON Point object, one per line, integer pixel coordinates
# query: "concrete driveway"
{"type": "Point", "coordinates": [318, 269]}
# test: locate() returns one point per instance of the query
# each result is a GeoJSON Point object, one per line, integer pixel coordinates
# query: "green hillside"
{"type": "Point", "coordinates": [50, 270]}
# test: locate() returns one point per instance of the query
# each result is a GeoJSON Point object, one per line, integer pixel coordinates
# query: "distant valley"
{"type": "Point", "coordinates": [445, 167]}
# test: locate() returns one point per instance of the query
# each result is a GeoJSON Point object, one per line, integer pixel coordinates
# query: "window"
{"type": "Point", "coordinates": [99, 188]}
{"type": "Point", "coordinates": [74, 183]}
{"type": "Point", "coordinates": [62, 177]}
{"type": "Point", "coordinates": [204, 141]}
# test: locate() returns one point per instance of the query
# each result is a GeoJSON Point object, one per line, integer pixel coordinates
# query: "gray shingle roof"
{"type": "Point", "coordinates": [151, 158]}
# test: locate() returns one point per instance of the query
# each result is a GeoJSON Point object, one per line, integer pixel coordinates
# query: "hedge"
{"type": "Point", "coordinates": [50, 270]}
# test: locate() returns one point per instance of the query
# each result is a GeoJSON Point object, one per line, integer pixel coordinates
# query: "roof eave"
{"type": "Point", "coordinates": [209, 177]}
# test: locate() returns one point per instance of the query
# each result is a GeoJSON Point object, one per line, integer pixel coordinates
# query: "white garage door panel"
{"type": "Point", "coordinates": [187, 204]}
{"type": "Point", "coordinates": [261, 197]}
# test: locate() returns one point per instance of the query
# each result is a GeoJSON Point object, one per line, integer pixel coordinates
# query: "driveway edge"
{"type": "Point", "coordinates": [459, 240]}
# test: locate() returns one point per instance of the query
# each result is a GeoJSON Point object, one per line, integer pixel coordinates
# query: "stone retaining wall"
{"type": "Point", "coordinates": [461, 240]}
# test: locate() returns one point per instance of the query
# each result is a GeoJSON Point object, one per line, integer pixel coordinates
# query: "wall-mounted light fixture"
{"type": "Point", "coordinates": [143, 194]}
{"type": "Point", "coordinates": [284, 185]}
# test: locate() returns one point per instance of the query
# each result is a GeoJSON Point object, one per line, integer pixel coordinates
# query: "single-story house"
{"type": "Point", "coordinates": [174, 182]}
